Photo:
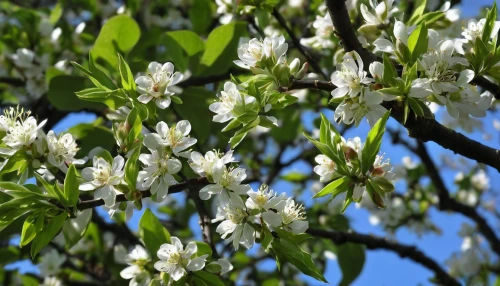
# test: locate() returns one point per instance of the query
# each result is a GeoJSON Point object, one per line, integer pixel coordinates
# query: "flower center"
{"type": "Point", "coordinates": [175, 258]}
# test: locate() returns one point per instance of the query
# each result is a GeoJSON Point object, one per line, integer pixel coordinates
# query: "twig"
{"type": "Point", "coordinates": [488, 85]}
{"type": "Point", "coordinates": [373, 242]}
{"type": "Point", "coordinates": [297, 43]}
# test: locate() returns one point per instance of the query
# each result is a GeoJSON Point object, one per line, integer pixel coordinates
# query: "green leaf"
{"type": "Point", "coordinates": [71, 186]}
{"type": "Point", "coordinates": [126, 75]}
{"type": "Point", "coordinates": [491, 16]}
{"type": "Point", "coordinates": [61, 94]}
{"type": "Point", "coordinates": [200, 15]}
{"type": "Point", "coordinates": [118, 35]}
{"type": "Point", "coordinates": [419, 11]}
{"type": "Point", "coordinates": [415, 106]}
{"type": "Point", "coordinates": [231, 125]}
{"type": "Point", "coordinates": [91, 136]}
{"type": "Point", "coordinates": [203, 248]}
{"type": "Point", "coordinates": [336, 187]}
{"type": "Point", "coordinates": [152, 232]}
{"type": "Point", "coordinates": [390, 72]}
{"type": "Point", "coordinates": [55, 14]}
{"type": "Point", "coordinates": [406, 111]}
{"type": "Point", "coordinates": [351, 259]}
{"type": "Point", "coordinates": [74, 229]}
{"type": "Point", "coordinates": [418, 42]}
{"type": "Point", "coordinates": [221, 45]}
{"type": "Point", "coordinates": [132, 167]}
{"type": "Point", "coordinates": [51, 190]}
{"type": "Point", "coordinates": [373, 142]}
{"type": "Point", "coordinates": [48, 233]}
{"type": "Point", "coordinates": [292, 253]}
{"type": "Point", "coordinates": [240, 134]}
{"type": "Point", "coordinates": [330, 153]}
{"type": "Point", "coordinates": [32, 225]}
{"type": "Point", "coordinates": [202, 277]}
{"type": "Point", "coordinates": [189, 41]}
{"type": "Point", "coordinates": [134, 122]}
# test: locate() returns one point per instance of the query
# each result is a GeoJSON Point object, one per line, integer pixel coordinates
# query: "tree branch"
{"type": "Point", "coordinates": [297, 44]}
{"type": "Point", "coordinates": [144, 194]}
{"type": "Point", "coordinates": [373, 242]}
{"type": "Point", "coordinates": [488, 85]}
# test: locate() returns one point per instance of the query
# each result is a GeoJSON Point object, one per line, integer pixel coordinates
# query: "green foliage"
{"type": "Point", "coordinates": [351, 259]}
{"type": "Point", "coordinates": [152, 233]}
{"type": "Point", "coordinates": [71, 191]}
{"type": "Point", "coordinates": [373, 143]}
{"type": "Point", "coordinates": [62, 95]}
{"type": "Point", "coordinates": [49, 231]}
{"type": "Point", "coordinates": [418, 42]}
{"type": "Point", "coordinates": [335, 188]}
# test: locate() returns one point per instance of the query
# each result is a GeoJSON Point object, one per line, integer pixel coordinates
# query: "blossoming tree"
{"type": "Point", "coordinates": [200, 109]}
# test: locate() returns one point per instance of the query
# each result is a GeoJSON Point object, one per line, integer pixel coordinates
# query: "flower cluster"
{"type": "Point", "coordinates": [471, 187]}
{"type": "Point", "coordinates": [137, 260]}
{"type": "Point", "coordinates": [158, 85]}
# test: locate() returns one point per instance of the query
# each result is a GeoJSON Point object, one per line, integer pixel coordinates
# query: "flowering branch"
{"type": "Point", "coordinates": [373, 242]}
{"type": "Point", "coordinates": [297, 44]}
{"type": "Point", "coordinates": [144, 194]}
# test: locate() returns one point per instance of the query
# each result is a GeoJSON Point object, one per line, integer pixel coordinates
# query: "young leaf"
{"type": "Point", "coordinates": [418, 42]}
{"type": "Point", "coordinates": [132, 168]}
{"type": "Point", "coordinates": [203, 248]}
{"type": "Point", "coordinates": [336, 187]}
{"type": "Point", "coordinates": [48, 233]}
{"type": "Point", "coordinates": [489, 25]}
{"type": "Point", "coordinates": [351, 259]}
{"type": "Point", "coordinates": [128, 81]}
{"type": "Point", "coordinates": [71, 190]}
{"type": "Point", "coordinates": [326, 150]}
{"type": "Point", "coordinates": [152, 232]}
{"type": "Point", "coordinates": [292, 253]}
{"type": "Point", "coordinates": [373, 142]}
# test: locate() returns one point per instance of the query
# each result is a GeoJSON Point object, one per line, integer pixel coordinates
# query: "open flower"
{"type": "Point", "coordinates": [175, 137]}
{"type": "Point", "coordinates": [21, 132]}
{"type": "Point", "coordinates": [176, 261]}
{"type": "Point", "coordinates": [324, 31]}
{"type": "Point", "coordinates": [350, 76]}
{"type": "Point", "coordinates": [203, 165]}
{"type": "Point", "coordinates": [158, 84]}
{"type": "Point", "coordinates": [264, 199]}
{"type": "Point", "coordinates": [325, 169]}
{"type": "Point", "coordinates": [292, 216]}
{"type": "Point", "coordinates": [137, 260]}
{"type": "Point", "coordinates": [383, 12]}
{"type": "Point", "coordinates": [62, 150]}
{"type": "Point", "coordinates": [158, 171]}
{"type": "Point", "coordinates": [353, 110]}
{"type": "Point", "coordinates": [250, 53]}
{"type": "Point", "coordinates": [275, 47]}
{"type": "Point", "coordinates": [231, 104]}
{"type": "Point", "coordinates": [234, 216]}
{"type": "Point", "coordinates": [475, 30]}
{"type": "Point", "coordinates": [102, 178]}
{"type": "Point", "coordinates": [225, 179]}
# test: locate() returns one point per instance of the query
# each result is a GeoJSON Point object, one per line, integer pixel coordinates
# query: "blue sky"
{"type": "Point", "coordinates": [381, 267]}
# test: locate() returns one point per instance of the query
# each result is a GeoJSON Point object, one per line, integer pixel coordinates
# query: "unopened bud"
{"type": "Point", "coordinates": [302, 72]}
{"type": "Point", "coordinates": [294, 66]}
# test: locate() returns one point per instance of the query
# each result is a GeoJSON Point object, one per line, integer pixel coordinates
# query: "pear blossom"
{"type": "Point", "coordinates": [475, 30]}
{"type": "Point", "coordinates": [22, 130]}
{"type": "Point", "coordinates": [62, 150]}
{"type": "Point", "coordinates": [353, 110]}
{"type": "Point", "coordinates": [23, 58]}
{"type": "Point", "coordinates": [51, 281]}
{"type": "Point", "coordinates": [225, 8]}
{"type": "Point", "coordinates": [383, 12]}
{"type": "Point", "coordinates": [275, 47]}
{"type": "Point", "coordinates": [177, 261]}
{"type": "Point", "coordinates": [326, 168]}
{"type": "Point", "coordinates": [175, 137]}
{"type": "Point", "coordinates": [231, 105]}
{"type": "Point", "coordinates": [350, 76]}
{"type": "Point", "coordinates": [137, 259]}
{"type": "Point", "coordinates": [381, 168]}
{"type": "Point", "coordinates": [250, 52]}
{"type": "Point", "coordinates": [203, 165]}
{"type": "Point", "coordinates": [225, 179]}
{"type": "Point", "coordinates": [234, 215]}
{"type": "Point", "coordinates": [51, 262]}
{"type": "Point", "coordinates": [157, 173]}
{"type": "Point", "coordinates": [292, 216]}
{"type": "Point", "coordinates": [264, 199]}
{"type": "Point", "coordinates": [102, 178]}
{"type": "Point", "coordinates": [401, 33]}
{"type": "Point", "coordinates": [480, 181]}
{"type": "Point", "coordinates": [158, 84]}
{"type": "Point", "coordinates": [323, 35]}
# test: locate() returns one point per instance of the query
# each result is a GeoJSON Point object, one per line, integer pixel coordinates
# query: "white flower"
{"type": "Point", "coordinates": [263, 199]}
{"type": "Point", "coordinates": [225, 8]}
{"type": "Point", "coordinates": [102, 178]}
{"type": "Point", "coordinates": [129, 209]}
{"type": "Point", "coordinates": [325, 169]}
{"type": "Point", "coordinates": [231, 104]}
{"type": "Point", "coordinates": [383, 12]}
{"type": "Point", "coordinates": [158, 171]}
{"type": "Point", "coordinates": [350, 76]}
{"type": "Point", "coordinates": [203, 165]}
{"type": "Point", "coordinates": [275, 47]}
{"type": "Point", "coordinates": [176, 137]}
{"type": "Point", "coordinates": [62, 150]}
{"type": "Point", "coordinates": [353, 110]}
{"type": "Point", "coordinates": [292, 216]}
{"type": "Point", "coordinates": [158, 84]}
{"type": "Point", "coordinates": [225, 179]}
{"type": "Point", "coordinates": [475, 30]}
{"type": "Point", "coordinates": [225, 265]}
{"type": "Point", "coordinates": [381, 168]}
{"type": "Point", "coordinates": [176, 261]}
{"type": "Point", "coordinates": [324, 31]}
{"type": "Point", "coordinates": [23, 58]}
{"type": "Point", "coordinates": [250, 53]}
{"type": "Point", "coordinates": [21, 132]}
{"type": "Point", "coordinates": [234, 216]}
{"type": "Point", "coordinates": [401, 33]}
{"type": "Point", "coordinates": [480, 181]}
{"type": "Point", "coordinates": [51, 262]}
{"type": "Point", "coordinates": [51, 281]}
{"type": "Point", "coordinates": [136, 260]}
{"type": "Point", "coordinates": [466, 100]}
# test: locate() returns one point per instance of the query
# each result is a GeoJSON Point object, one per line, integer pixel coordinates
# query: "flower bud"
{"type": "Point", "coordinates": [302, 72]}
{"type": "Point", "coordinates": [294, 66]}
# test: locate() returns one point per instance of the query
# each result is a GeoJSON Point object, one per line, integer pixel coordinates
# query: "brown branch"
{"type": "Point", "coordinates": [373, 242]}
{"type": "Point", "coordinates": [488, 85]}
{"type": "Point", "coordinates": [144, 194]}
{"type": "Point", "coordinates": [297, 44]}
{"type": "Point", "coordinates": [12, 81]}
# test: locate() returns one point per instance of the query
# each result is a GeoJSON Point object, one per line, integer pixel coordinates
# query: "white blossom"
{"type": "Point", "coordinates": [157, 172]}
{"type": "Point", "coordinates": [323, 35]}
{"type": "Point", "coordinates": [231, 104]}
{"type": "Point", "coordinates": [480, 181]}
{"type": "Point", "coordinates": [21, 131]}
{"type": "Point", "coordinates": [234, 216]}
{"type": "Point", "coordinates": [203, 165]}
{"type": "Point", "coordinates": [350, 76]}
{"type": "Point", "coordinates": [62, 150]}
{"type": "Point", "coordinates": [23, 58]}
{"type": "Point", "coordinates": [326, 168]}
{"type": "Point", "coordinates": [250, 53]}
{"type": "Point", "coordinates": [292, 215]}
{"type": "Point", "coordinates": [225, 9]}
{"type": "Point", "coordinates": [51, 262]}
{"type": "Point", "coordinates": [225, 179]}
{"type": "Point", "coordinates": [158, 84]}
{"type": "Point", "coordinates": [264, 199]}
{"type": "Point", "coordinates": [383, 12]}
{"type": "Point", "coordinates": [102, 178]}
{"type": "Point", "coordinates": [137, 259]}
{"type": "Point", "coordinates": [175, 137]}
{"type": "Point", "coordinates": [475, 30]}
{"type": "Point", "coordinates": [177, 261]}
{"type": "Point", "coordinates": [51, 281]}
{"type": "Point", "coordinates": [353, 110]}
